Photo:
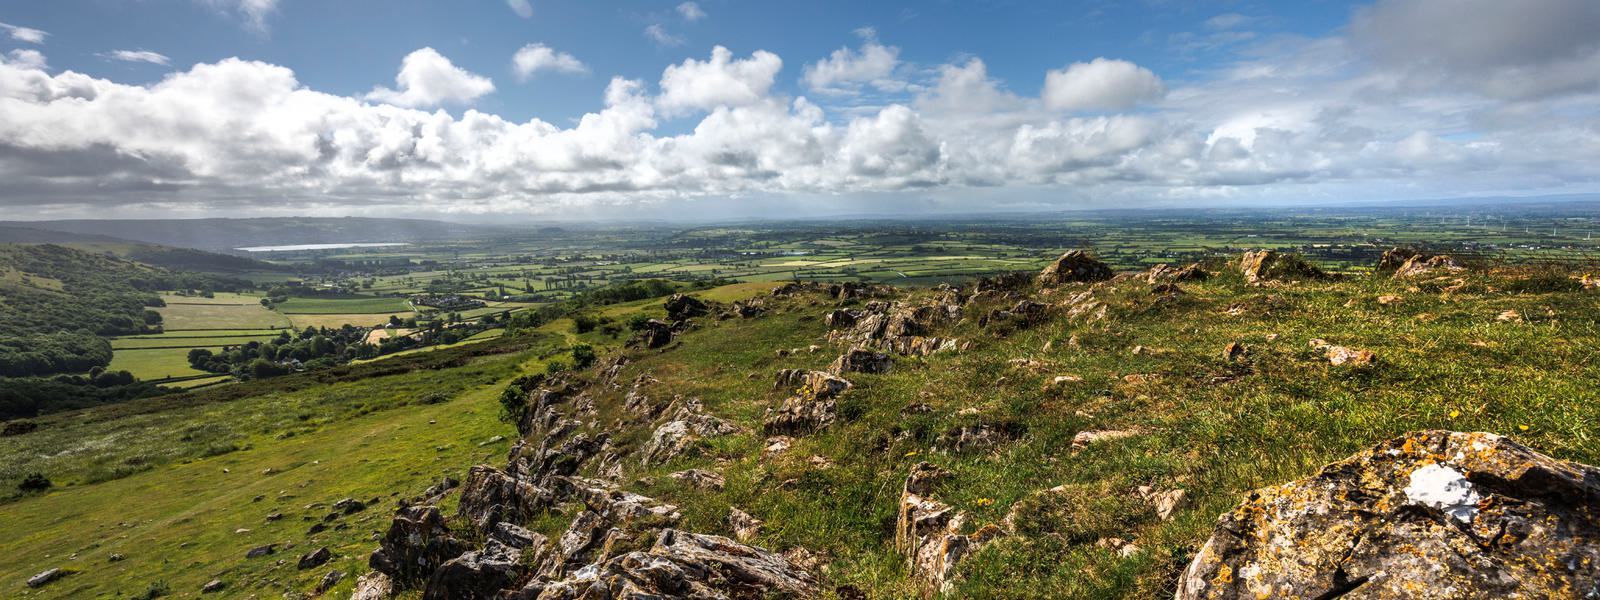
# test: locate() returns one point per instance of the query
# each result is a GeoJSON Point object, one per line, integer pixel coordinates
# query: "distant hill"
{"type": "Point", "coordinates": [181, 259]}
{"type": "Point", "coordinates": [227, 234]}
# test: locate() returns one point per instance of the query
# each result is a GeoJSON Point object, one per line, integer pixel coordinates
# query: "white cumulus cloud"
{"type": "Point", "coordinates": [533, 58]}
{"type": "Point", "coordinates": [1100, 84]}
{"type": "Point", "coordinates": [722, 80]}
{"type": "Point", "coordinates": [254, 12]}
{"type": "Point", "coordinates": [25, 58]}
{"type": "Point", "coordinates": [428, 79]}
{"type": "Point", "coordinates": [846, 69]}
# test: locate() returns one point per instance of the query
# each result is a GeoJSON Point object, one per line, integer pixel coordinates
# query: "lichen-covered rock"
{"type": "Point", "coordinates": [415, 545]}
{"type": "Point", "coordinates": [1340, 356]}
{"type": "Point", "coordinates": [745, 527]}
{"type": "Point", "coordinates": [1073, 267]}
{"type": "Point", "coordinates": [812, 385]}
{"type": "Point", "coordinates": [476, 575]}
{"type": "Point", "coordinates": [861, 360]}
{"type": "Point", "coordinates": [1418, 265]}
{"type": "Point", "coordinates": [491, 496]}
{"type": "Point", "coordinates": [687, 565]}
{"type": "Point", "coordinates": [373, 586]}
{"type": "Point", "coordinates": [674, 437]}
{"type": "Point", "coordinates": [701, 479]}
{"type": "Point", "coordinates": [1432, 514]}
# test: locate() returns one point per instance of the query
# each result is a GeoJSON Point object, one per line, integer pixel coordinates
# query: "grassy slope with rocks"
{"type": "Point", "coordinates": [169, 482]}
{"type": "Point", "coordinates": [1212, 426]}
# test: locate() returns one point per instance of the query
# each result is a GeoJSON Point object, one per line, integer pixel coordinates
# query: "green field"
{"type": "Point", "coordinates": [156, 364]}
{"type": "Point", "coordinates": [189, 317]}
{"type": "Point", "coordinates": [343, 305]}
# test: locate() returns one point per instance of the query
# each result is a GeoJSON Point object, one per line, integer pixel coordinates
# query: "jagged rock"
{"type": "Point", "coordinates": [1409, 263]}
{"type": "Point", "coordinates": [687, 565]}
{"type": "Point", "coordinates": [745, 527]}
{"type": "Point", "coordinates": [842, 319]}
{"type": "Point", "coordinates": [1393, 258]}
{"type": "Point", "coordinates": [799, 415]}
{"type": "Point", "coordinates": [491, 496]}
{"type": "Point", "coordinates": [45, 577]}
{"type": "Point", "coordinates": [638, 402]}
{"type": "Point", "coordinates": [928, 532]}
{"type": "Point", "coordinates": [415, 545]}
{"type": "Point", "coordinates": [1431, 514]}
{"type": "Point", "coordinates": [1074, 267]}
{"type": "Point", "coordinates": [700, 478]}
{"type": "Point", "coordinates": [748, 310]}
{"type": "Point", "coordinates": [476, 575]}
{"type": "Point", "coordinates": [654, 334]}
{"type": "Point", "coordinates": [1084, 439]}
{"type": "Point", "coordinates": [1165, 273]}
{"type": "Point", "coordinates": [861, 360]}
{"type": "Point", "coordinates": [213, 586]}
{"type": "Point", "coordinates": [327, 582]}
{"type": "Point", "coordinates": [314, 559]}
{"type": "Point", "coordinates": [516, 536]}
{"type": "Point", "coordinates": [812, 385]}
{"type": "Point", "coordinates": [438, 490]}
{"type": "Point", "coordinates": [683, 306]}
{"type": "Point", "coordinates": [1268, 265]}
{"type": "Point", "coordinates": [373, 586]}
{"type": "Point", "coordinates": [1343, 355]}
{"type": "Point", "coordinates": [673, 438]}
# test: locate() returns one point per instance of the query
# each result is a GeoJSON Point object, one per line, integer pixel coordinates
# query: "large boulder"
{"type": "Point", "coordinates": [683, 306]}
{"type": "Point", "coordinates": [1261, 266]}
{"type": "Point", "coordinates": [415, 545]}
{"type": "Point", "coordinates": [1432, 514]}
{"type": "Point", "coordinates": [1075, 266]}
{"type": "Point", "coordinates": [1423, 266]}
{"type": "Point", "coordinates": [491, 496]}
{"type": "Point", "coordinates": [476, 575]}
{"type": "Point", "coordinates": [814, 385]}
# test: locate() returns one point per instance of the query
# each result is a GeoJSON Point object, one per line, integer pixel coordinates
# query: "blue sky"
{"type": "Point", "coordinates": [293, 106]}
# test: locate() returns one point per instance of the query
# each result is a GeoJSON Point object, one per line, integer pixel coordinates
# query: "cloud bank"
{"type": "Point", "coordinates": [1372, 113]}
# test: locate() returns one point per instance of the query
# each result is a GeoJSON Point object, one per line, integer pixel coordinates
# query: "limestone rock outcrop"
{"type": "Point", "coordinates": [1431, 514]}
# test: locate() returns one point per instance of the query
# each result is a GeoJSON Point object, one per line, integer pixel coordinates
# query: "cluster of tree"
{"type": "Point", "coordinates": [613, 294]}
{"type": "Point", "coordinates": [57, 299]}
{"type": "Point", "coordinates": [312, 348]}
{"type": "Point", "coordinates": [33, 396]}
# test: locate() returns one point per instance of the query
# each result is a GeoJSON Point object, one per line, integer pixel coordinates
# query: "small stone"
{"type": "Point", "coordinates": [115, 557]}
{"type": "Point", "coordinates": [745, 527]}
{"type": "Point", "coordinates": [260, 551]}
{"type": "Point", "coordinates": [315, 559]}
{"type": "Point", "coordinates": [212, 586]}
{"type": "Point", "coordinates": [494, 440]}
{"type": "Point", "coordinates": [45, 577]}
{"type": "Point", "coordinates": [328, 581]}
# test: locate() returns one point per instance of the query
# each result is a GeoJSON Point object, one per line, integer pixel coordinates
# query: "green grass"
{"type": "Point", "coordinates": [158, 363]}
{"type": "Point", "coordinates": [352, 305]}
{"type": "Point", "coordinates": [1214, 428]}
{"type": "Point", "coordinates": [176, 317]}
{"type": "Point", "coordinates": [167, 487]}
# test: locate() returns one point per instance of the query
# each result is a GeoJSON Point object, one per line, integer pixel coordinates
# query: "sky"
{"type": "Point", "coordinates": [581, 109]}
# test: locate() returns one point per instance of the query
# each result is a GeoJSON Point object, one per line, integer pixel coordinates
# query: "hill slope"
{"type": "Point", "coordinates": [1069, 417]}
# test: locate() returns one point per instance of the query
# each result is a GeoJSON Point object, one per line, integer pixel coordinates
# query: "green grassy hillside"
{"type": "Point", "coordinates": [170, 483]}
